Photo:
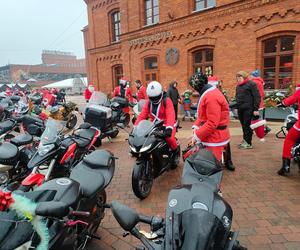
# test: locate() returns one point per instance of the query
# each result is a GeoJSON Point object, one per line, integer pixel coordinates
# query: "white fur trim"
{"type": "Point", "coordinates": [258, 124]}
{"type": "Point", "coordinates": [195, 127]}
{"type": "Point", "coordinates": [216, 144]}
{"type": "Point", "coordinates": [295, 127]}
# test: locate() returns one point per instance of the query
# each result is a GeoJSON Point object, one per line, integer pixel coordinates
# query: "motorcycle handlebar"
{"type": "Point", "coordinates": [145, 219]}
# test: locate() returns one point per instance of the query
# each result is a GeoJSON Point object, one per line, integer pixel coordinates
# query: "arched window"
{"type": "Point", "coordinates": [151, 12]}
{"type": "Point", "coordinates": [203, 61]}
{"type": "Point", "coordinates": [117, 71]}
{"type": "Point", "coordinates": [151, 69]}
{"type": "Point", "coordinates": [115, 26]}
{"type": "Point", "coordinates": [278, 56]}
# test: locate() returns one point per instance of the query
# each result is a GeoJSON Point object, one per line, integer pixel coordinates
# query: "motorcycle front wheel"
{"type": "Point", "coordinates": [142, 179]}
{"type": "Point", "coordinates": [72, 121]}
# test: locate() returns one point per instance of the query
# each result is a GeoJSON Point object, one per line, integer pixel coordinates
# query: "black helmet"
{"type": "Point", "coordinates": [198, 81]}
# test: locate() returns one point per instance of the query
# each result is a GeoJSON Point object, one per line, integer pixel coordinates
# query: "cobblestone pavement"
{"type": "Point", "coordinates": [266, 206]}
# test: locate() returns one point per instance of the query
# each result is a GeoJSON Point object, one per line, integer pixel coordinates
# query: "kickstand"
{"type": "Point", "coordinates": [109, 139]}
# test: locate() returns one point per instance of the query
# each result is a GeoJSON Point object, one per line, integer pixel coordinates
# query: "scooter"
{"type": "Point", "coordinates": [197, 217]}
{"type": "Point", "coordinates": [57, 154]}
{"type": "Point", "coordinates": [153, 156]}
{"type": "Point", "coordinates": [64, 213]}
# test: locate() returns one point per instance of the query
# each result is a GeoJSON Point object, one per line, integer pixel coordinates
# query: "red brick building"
{"type": "Point", "coordinates": [55, 66]}
{"type": "Point", "coordinates": [171, 39]}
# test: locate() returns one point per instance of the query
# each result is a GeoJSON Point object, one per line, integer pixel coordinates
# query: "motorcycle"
{"type": "Point", "coordinates": [153, 156]}
{"type": "Point", "coordinates": [137, 109]}
{"type": "Point", "coordinates": [14, 157]}
{"type": "Point", "coordinates": [106, 116]}
{"type": "Point", "coordinates": [61, 213]}
{"type": "Point", "coordinates": [197, 217]}
{"type": "Point", "coordinates": [57, 154]}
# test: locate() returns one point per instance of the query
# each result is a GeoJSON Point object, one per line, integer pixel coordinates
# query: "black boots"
{"type": "Point", "coordinates": [229, 165]}
{"type": "Point", "coordinates": [285, 166]}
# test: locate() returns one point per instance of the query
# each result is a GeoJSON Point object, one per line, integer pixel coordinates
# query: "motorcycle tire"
{"type": "Point", "coordinates": [98, 142]}
{"type": "Point", "coordinates": [115, 134]}
{"type": "Point", "coordinates": [72, 121]}
{"type": "Point", "coordinates": [141, 180]}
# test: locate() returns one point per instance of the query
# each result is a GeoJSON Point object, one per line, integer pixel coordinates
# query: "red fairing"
{"type": "Point", "coordinates": [69, 154]}
{"type": "Point", "coordinates": [142, 93]}
{"type": "Point", "coordinates": [94, 139]}
{"type": "Point", "coordinates": [5, 200]}
{"type": "Point", "coordinates": [167, 114]}
{"type": "Point", "coordinates": [33, 179]}
{"type": "Point", "coordinates": [295, 98]}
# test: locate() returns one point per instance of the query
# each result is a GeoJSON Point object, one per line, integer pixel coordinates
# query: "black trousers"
{"type": "Point", "coordinates": [245, 117]}
{"type": "Point", "coordinates": [176, 111]}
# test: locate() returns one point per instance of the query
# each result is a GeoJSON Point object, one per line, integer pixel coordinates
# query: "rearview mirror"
{"type": "Point", "coordinates": [126, 217]}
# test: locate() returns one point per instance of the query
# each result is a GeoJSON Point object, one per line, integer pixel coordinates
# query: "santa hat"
{"type": "Point", "coordinates": [213, 80]}
{"type": "Point", "coordinates": [297, 86]}
{"type": "Point", "coordinates": [123, 81]}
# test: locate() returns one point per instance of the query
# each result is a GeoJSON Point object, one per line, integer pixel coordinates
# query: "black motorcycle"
{"type": "Point", "coordinates": [106, 115]}
{"type": "Point", "coordinates": [197, 217]}
{"type": "Point", "coordinates": [72, 208]}
{"type": "Point", "coordinates": [14, 157]}
{"type": "Point", "coordinates": [153, 156]}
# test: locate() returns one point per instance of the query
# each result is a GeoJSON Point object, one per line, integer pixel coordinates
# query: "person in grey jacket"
{"type": "Point", "coordinates": [247, 101]}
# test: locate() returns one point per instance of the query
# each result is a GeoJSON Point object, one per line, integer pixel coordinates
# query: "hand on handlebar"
{"type": "Point", "coordinates": [168, 132]}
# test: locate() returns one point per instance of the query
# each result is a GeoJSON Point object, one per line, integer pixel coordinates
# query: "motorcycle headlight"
{"type": "Point", "coordinates": [44, 149]}
{"type": "Point", "coordinates": [143, 149]}
{"type": "Point", "coordinates": [133, 149]}
{"type": "Point", "coordinates": [4, 178]}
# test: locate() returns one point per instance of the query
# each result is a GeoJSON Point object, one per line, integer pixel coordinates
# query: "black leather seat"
{"type": "Point", "coordinates": [21, 140]}
{"type": "Point", "coordinates": [6, 126]}
{"type": "Point", "coordinates": [94, 172]}
{"type": "Point", "coordinates": [9, 153]}
{"type": "Point", "coordinates": [83, 137]}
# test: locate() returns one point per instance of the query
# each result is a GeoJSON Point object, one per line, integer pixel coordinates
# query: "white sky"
{"type": "Point", "coordinates": [29, 26]}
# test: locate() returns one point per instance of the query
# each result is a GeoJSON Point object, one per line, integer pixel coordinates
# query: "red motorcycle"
{"type": "Point", "coordinates": [57, 154]}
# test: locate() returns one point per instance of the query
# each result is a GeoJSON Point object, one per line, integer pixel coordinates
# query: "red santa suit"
{"type": "Point", "coordinates": [294, 133]}
{"type": "Point", "coordinates": [260, 86]}
{"type": "Point", "coordinates": [128, 96]}
{"type": "Point", "coordinates": [211, 126]}
{"type": "Point", "coordinates": [164, 113]}
{"type": "Point", "coordinates": [142, 93]}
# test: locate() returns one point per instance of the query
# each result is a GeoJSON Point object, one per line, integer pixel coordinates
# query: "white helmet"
{"type": "Point", "coordinates": [155, 92]}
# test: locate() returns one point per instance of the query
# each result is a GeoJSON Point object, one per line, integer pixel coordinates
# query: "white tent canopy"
{"type": "Point", "coordinates": [73, 85]}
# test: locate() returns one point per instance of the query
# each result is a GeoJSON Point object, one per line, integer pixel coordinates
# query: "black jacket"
{"type": "Point", "coordinates": [247, 96]}
{"type": "Point", "coordinates": [173, 94]}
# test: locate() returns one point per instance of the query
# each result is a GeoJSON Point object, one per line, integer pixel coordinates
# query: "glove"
{"type": "Point", "coordinates": [168, 132]}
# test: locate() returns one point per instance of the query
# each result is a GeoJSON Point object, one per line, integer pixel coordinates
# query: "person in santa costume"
{"type": "Point", "coordinates": [123, 91]}
{"type": "Point", "coordinates": [142, 91]}
{"type": "Point", "coordinates": [88, 92]}
{"type": "Point", "coordinates": [293, 135]}
{"type": "Point", "coordinates": [159, 107]}
{"type": "Point", "coordinates": [214, 81]}
{"type": "Point", "coordinates": [211, 127]}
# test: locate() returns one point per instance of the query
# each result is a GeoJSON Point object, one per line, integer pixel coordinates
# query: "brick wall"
{"type": "Point", "coordinates": [234, 31]}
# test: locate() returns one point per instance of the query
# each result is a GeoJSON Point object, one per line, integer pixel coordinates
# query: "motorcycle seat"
{"type": "Point", "coordinates": [83, 137]}
{"type": "Point", "coordinates": [94, 172]}
{"type": "Point", "coordinates": [6, 126]}
{"type": "Point", "coordinates": [9, 153]}
{"type": "Point", "coordinates": [21, 140]}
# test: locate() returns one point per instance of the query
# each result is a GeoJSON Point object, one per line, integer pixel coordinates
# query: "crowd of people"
{"type": "Point", "coordinates": [212, 111]}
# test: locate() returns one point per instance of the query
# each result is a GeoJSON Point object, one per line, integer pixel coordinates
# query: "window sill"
{"type": "Point", "coordinates": [149, 25]}
{"type": "Point", "coordinates": [115, 42]}
{"type": "Point", "coordinates": [208, 8]}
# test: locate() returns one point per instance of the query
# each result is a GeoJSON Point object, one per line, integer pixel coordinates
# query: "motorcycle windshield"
{"type": "Point", "coordinates": [98, 98]}
{"type": "Point", "coordinates": [53, 128]}
{"type": "Point", "coordinates": [141, 104]}
{"type": "Point", "coordinates": [143, 128]}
